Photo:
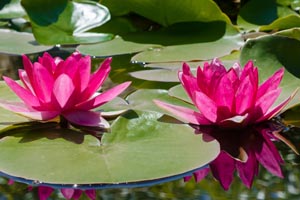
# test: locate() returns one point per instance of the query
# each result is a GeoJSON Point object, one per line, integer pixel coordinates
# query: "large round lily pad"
{"type": "Point", "coordinates": [139, 148]}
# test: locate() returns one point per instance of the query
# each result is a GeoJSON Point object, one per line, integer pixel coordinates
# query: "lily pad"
{"type": "Point", "coordinates": [65, 22]}
{"type": "Point", "coordinates": [293, 33]}
{"type": "Point", "coordinates": [11, 9]}
{"type": "Point", "coordinates": [168, 12]}
{"type": "Point", "coordinates": [282, 23]}
{"type": "Point", "coordinates": [142, 100]}
{"type": "Point", "coordinates": [270, 53]}
{"type": "Point", "coordinates": [15, 43]}
{"type": "Point", "coordinates": [256, 13]}
{"type": "Point", "coordinates": [195, 45]}
{"type": "Point", "coordinates": [117, 46]}
{"type": "Point", "coordinates": [139, 148]}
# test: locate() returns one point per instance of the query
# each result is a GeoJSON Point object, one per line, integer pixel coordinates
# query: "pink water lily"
{"type": "Point", "coordinates": [54, 87]}
{"type": "Point", "coordinates": [228, 97]}
{"type": "Point", "coordinates": [230, 105]}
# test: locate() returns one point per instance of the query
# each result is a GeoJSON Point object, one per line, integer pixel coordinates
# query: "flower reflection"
{"type": "Point", "coordinates": [231, 107]}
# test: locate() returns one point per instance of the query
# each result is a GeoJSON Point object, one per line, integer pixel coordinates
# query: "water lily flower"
{"type": "Point", "coordinates": [228, 103]}
{"type": "Point", "coordinates": [53, 88]}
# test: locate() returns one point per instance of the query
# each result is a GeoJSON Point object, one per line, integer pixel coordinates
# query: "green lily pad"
{"type": "Point", "coordinates": [168, 12]}
{"type": "Point", "coordinates": [11, 9]}
{"type": "Point", "coordinates": [7, 117]}
{"type": "Point", "coordinates": [282, 23]}
{"type": "Point", "coordinates": [139, 148]}
{"type": "Point", "coordinates": [15, 43]}
{"type": "Point", "coordinates": [142, 100]}
{"type": "Point", "coordinates": [162, 75]}
{"type": "Point", "coordinates": [65, 22]}
{"type": "Point", "coordinates": [195, 43]}
{"type": "Point", "coordinates": [293, 33]}
{"type": "Point", "coordinates": [270, 53]}
{"type": "Point", "coordinates": [256, 13]}
{"type": "Point", "coordinates": [117, 46]}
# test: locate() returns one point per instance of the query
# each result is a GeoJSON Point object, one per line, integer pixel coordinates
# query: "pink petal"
{"type": "Point", "coordinates": [271, 83]}
{"type": "Point", "coordinates": [248, 169]}
{"type": "Point", "coordinates": [67, 192]}
{"type": "Point", "coordinates": [10, 182]}
{"type": "Point", "coordinates": [42, 82]}
{"type": "Point", "coordinates": [198, 175]}
{"type": "Point", "coordinates": [28, 98]}
{"type": "Point", "coordinates": [85, 118]}
{"type": "Point", "coordinates": [223, 168]}
{"type": "Point", "coordinates": [267, 155]}
{"type": "Point", "coordinates": [104, 97]}
{"type": "Point", "coordinates": [263, 104]}
{"type": "Point", "coordinates": [189, 82]}
{"type": "Point", "coordinates": [25, 80]}
{"type": "Point", "coordinates": [91, 194]}
{"type": "Point", "coordinates": [224, 93]}
{"type": "Point", "coordinates": [83, 73]}
{"type": "Point", "coordinates": [28, 67]}
{"type": "Point", "coordinates": [277, 109]}
{"type": "Point", "coordinates": [245, 96]}
{"type": "Point", "coordinates": [69, 66]}
{"type": "Point", "coordinates": [184, 114]}
{"type": "Point", "coordinates": [22, 109]}
{"type": "Point", "coordinates": [44, 192]}
{"type": "Point", "coordinates": [63, 89]}
{"type": "Point", "coordinates": [97, 79]}
{"type": "Point", "coordinates": [48, 62]}
{"type": "Point", "coordinates": [77, 194]}
{"type": "Point", "coordinates": [207, 107]}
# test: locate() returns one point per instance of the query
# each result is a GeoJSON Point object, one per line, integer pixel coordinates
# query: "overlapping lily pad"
{"type": "Point", "coordinates": [139, 148]}
{"type": "Point", "coordinates": [16, 43]}
{"type": "Point", "coordinates": [11, 9]}
{"type": "Point", "coordinates": [65, 22]}
{"type": "Point", "coordinates": [269, 53]}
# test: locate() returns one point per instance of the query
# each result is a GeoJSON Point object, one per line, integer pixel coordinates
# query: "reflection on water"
{"type": "Point", "coordinates": [266, 186]}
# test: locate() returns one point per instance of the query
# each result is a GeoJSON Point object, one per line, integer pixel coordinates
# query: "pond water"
{"type": "Point", "coordinates": [266, 186]}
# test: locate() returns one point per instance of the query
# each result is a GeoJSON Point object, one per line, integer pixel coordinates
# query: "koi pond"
{"type": "Point", "coordinates": [146, 99]}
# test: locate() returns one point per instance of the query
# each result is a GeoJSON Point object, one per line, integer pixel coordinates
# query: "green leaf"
{"type": "Point", "coordinates": [287, 22]}
{"type": "Point", "coordinates": [11, 9]}
{"type": "Point", "coordinates": [117, 46]}
{"type": "Point", "coordinates": [139, 148]}
{"type": "Point", "coordinates": [292, 33]}
{"type": "Point", "coordinates": [256, 13]}
{"type": "Point", "coordinates": [16, 43]}
{"type": "Point", "coordinates": [269, 53]}
{"type": "Point", "coordinates": [143, 100]}
{"type": "Point", "coordinates": [197, 41]}
{"type": "Point", "coordinates": [168, 12]}
{"type": "Point", "coordinates": [65, 22]}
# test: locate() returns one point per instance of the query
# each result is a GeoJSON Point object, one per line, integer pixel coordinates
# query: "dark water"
{"type": "Point", "coordinates": [266, 186]}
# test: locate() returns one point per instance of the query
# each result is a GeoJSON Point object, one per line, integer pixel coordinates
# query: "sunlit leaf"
{"type": "Point", "coordinates": [11, 9]}
{"type": "Point", "coordinates": [287, 22]}
{"type": "Point", "coordinates": [293, 33]}
{"type": "Point", "coordinates": [16, 43]}
{"type": "Point", "coordinates": [269, 53]}
{"type": "Point", "coordinates": [169, 12]}
{"type": "Point", "coordinates": [139, 148]}
{"type": "Point", "coordinates": [65, 22]}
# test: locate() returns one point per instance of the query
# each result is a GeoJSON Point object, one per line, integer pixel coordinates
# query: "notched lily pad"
{"type": "Point", "coordinates": [140, 148]}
